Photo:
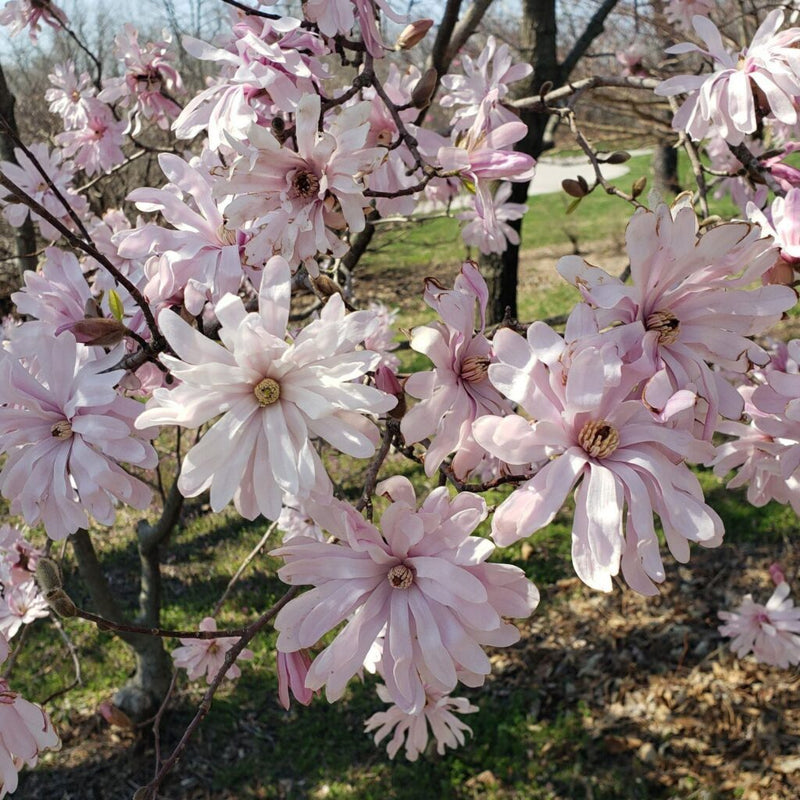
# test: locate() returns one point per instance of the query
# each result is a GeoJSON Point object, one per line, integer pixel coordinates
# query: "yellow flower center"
{"type": "Point", "coordinates": [62, 429]}
{"type": "Point", "coordinates": [598, 438]}
{"type": "Point", "coordinates": [267, 392]}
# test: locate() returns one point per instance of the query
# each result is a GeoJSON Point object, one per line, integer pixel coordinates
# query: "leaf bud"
{"type": "Point", "coordinates": [413, 34]}
{"type": "Point", "coordinates": [61, 603]}
{"type": "Point", "coordinates": [98, 331]}
{"type": "Point", "coordinates": [423, 92]}
{"type": "Point", "coordinates": [326, 286]}
{"type": "Point", "coordinates": [48, 574]}
{"type": "Point", "coordinates": [574, 188]}
{"type": "Point", "coordinates": [617, 157]}
{"type": "Point", "coordinates": [638, 186]}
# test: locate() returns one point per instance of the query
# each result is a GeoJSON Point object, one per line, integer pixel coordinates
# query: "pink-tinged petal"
{"type": "Point", "coordinates": [508, 438]}
{"type": "Point", "coordinates": [274, 296]}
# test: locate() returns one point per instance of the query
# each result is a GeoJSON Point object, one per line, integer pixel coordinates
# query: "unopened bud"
{"type": "Point", "coordinates": [48, 574]}
{"type": "Point", "coordinates": [325, 286]}
{"type": "Point", "coordinates": [639, 186]}
{"type": "Point", "coordinates": [98, 331]}
{"type": "Point", "coordinates": [61, 603]}
{"type": "Point", "coordinates": [413, 34]}
{"type": "Point", "coordinates": [423, 92]}
{"type": "Point", "coordinates": [575, 188]}
{"type": "Point", "coordinates": [617, 157]}
{"type": "Point", "coordinates": [387, 381]}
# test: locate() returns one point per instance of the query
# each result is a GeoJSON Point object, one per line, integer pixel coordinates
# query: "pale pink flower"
{"type": "Point", "coordinates": [268, 66]}
{"type": "Point", "coordinates": [782, 223]}
{"type": "Point", "coordinates": [56, 294]}
{"type": "Point", "coordinates": [207, 656]}
{"type": "Point", "coordinates": [680, 12]}
{"type": "Point", "coordinates": [763, 79]}
{"type": "Point", "coordinates": [691, 291]}
{"type": "Point", "coordinates": [25, 730]}
{"type": "Point", "coordinates": [294, 520]}
{"type": "Point", "coordinates": [422, 583]}
{"type": "Point", "coordinates": [200, 259]}
{"type": "Point", "coordinates": [487, 228]}
{"type": "Point", "coordinates": [30, 180]}
{"type": "Point", "coordinates": [340, 16]}
{"type": "Point", "coordinates": [382, 339]}
{"type": "Point", "coordinates": [71, 97]}
{"type": "Point", "coordinates": [487, 75]}
{"type": "Point", "coordinates": [298, 200]}
{"type": "Point", "coordinates": [273, 395]}
{"type": "Point", "coordinates": [64, 429]}
{"type": "Point", "coordinates": [150, 80]}
{"type": "Point", "coordinates": [770, 632]}
{"type": "Point", "coordinates": [456, 391]}
{"type": "Point", "coordinates": [595, 432]}
{"type": "Point", "coordinates": [18, 557]}
{"type": "Point", "coordinates": [631, 60]}
{"type": "Point", "coordinates": [20, 605]}
{"type": "Point", "coordinates": [97, 145]}
{"type": "Point", "coordinates": [292, 672]}
{"type": "Point", "coordinates": [438, 714]}
{"type": "Point", "coordinates": [20, 14]}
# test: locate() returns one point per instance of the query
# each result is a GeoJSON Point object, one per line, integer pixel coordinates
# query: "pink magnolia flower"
{"type": "Point", "coordinates": [298, 200]}
{"type": "Point", "coordinates": [20, 605]}
{"type": "Point", "coordinates": [423, 583]}
{"type": "Point", "coordinates": [382, 340]}
{"type": "Point", "coordinates": [488, 229]}
{"type": "Point", "coordinates": [631, 60]}
{"type": "Point", "coordinates": [30, 180]}
{"type": "Point", "coordinates": [595, 432]}
{"type": "Point", "coordinates": [267, 67]}
{"type": "Point", "coordinates": [783, 224]}
{"type": "Point", "coordinates": [294, 520]}
{"type": "Point", "coordinates": [487, 75]}
{"type": "Point", "coordinates": [71, 97]}
{"type": "Point", "coordinates": [200, 259]}
{"type": "Point", "coordinates": [25, 730]}
{"type": "Point", "coordinates": [770, 632]}
{"type": "Point", "coordinates": [681, 12]}
{"type": "Point", "coordinates": [18, 557]}
{"type": "Point", "coordinates": [21, 14]}
{"type": "Point", "coordinates": [691, 292]}
{"type": "Point", "coordinates": [64, 429]}
{"type": "Point", "coordinates": [273, 396]}
{"type": "Point", "coordinates": [97, 145]}
{"type": "Point", "coordinates": [199, 656]}
{"type": "Point", "coordinates": [438, 714]}
{"type": "Point", "coordinates": [455, 392]}
{"type": "Point", "coordinates": [340, 16]}
{"type": "Point", "coordinates": [292, 672]}
{"type": "Point", "coordinates": [150, 80]}
{"type": "Point", "coordinates": [763, 79]}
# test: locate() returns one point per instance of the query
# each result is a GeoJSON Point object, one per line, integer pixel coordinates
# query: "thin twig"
{"type": "Point", "coordinates": [76, 664]}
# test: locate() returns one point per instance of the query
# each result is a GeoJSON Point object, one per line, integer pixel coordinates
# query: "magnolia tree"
{"type": "Point", "coordinates": [185, 318]}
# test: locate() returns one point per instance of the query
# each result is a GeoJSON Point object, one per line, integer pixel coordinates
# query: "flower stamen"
{"type": "Point", "coordinates": [667, 325]}
{"type": "Point", "coordinates": [267, 392]}
{"type": "Point", "coordinates": [598, 438]}
{"type": "Point", "coordinates": [400, 576]}
{"type": "Point", "coordinates": [475, 368]}
{"type": "Point", "coordinates": [305, 184]}
{"type": "Point", "coordinates": [61, 429]}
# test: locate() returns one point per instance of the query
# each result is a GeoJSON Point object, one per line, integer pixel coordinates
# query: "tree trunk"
{"type": "Point", "coordinates": [665, 170]}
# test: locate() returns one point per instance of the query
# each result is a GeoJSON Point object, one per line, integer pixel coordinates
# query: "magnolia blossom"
{"type": "Point", "coordinates": [764, 79]}
{"type": "Point", "coordinates": [456, 392]}
{"type": "Point", "coordinates": [691, 291]}
{"type": "Point", "coordinates": [783, 224]}
{"type": "Point", "coordinates": [64, 429]}
{"type": "Point", "coordinates": [273, 394]}
{"type": "Point", "coordinates": [200, 259]}
{"type": "Point", "coordinates": [297, 200]}
{"type": "Point", "coordinates": [491, 232]}
{"type": "Point", "coordinates": [18, 557]}
{"type": "Point", "coordinates": [487, 75]}
{"type": "Point", "coordinates": [71, 97]}
{"type": "Point", "coordinates": [770, 632]}
{"type": "Point", "coordinates": [439, 713]}
{"type": "Point", "coordinates": [97, 145]}
{"type": "Point", "coordinates": [21, 14]}
{"type": "Point", "coordinates": [19, 605]}
{"type": "Point", "coordinates": [25, 174]}
{"type": "Point", "coordinates": [596, 433]}
{"type": "Point", "coordinates": [199, 656]}
{"type": "Point", "coordinates": [292, 672]}
{"type": "Point", "coordinates": [421, 582]}
{"type": "Point", "coordinates": [681, 12]}
{"type": "Point", "coordinates": [150, 80]}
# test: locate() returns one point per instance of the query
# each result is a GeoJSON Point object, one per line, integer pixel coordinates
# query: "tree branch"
{"type": "Point", "coordinates": [593, 29]}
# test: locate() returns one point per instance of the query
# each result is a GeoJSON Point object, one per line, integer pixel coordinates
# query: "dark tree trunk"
{"type": "Point", "coordinates": [25, 235]}
{"type": "Point", "coordinates": [539, 40]}
{"type": "Point", "coordinates": [665, 170]}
